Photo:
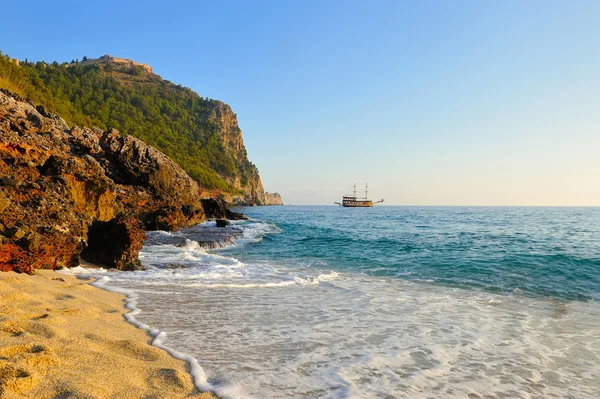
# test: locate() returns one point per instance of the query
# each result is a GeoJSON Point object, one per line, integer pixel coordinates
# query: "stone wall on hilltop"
{"type": "Point", "coordinates": [107, 59]}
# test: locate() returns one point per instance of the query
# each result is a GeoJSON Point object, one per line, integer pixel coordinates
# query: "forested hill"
{"type": "Point", "coordinates": [200, 134]}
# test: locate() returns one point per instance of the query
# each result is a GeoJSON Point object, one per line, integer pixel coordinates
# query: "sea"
{"type": "Point", "coordinates": [382, 302]}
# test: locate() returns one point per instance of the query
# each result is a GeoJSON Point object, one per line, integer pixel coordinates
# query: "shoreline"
{"type": "Point", "coordinates": [62, 336]}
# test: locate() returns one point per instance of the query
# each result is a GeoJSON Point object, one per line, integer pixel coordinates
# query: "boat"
{"type": "Point", "coordinates": [352, 201]}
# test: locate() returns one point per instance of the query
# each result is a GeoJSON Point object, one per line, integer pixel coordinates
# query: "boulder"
{"type": "Point", "coordinates": [222, 223]}
{"type": "Point", "coordinates": [216, 209]}
{"type": "Point", "coordinates": [171, 218]}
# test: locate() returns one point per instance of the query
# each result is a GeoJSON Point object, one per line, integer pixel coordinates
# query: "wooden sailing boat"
{"type": "Point", "coordinates": [352, 201]}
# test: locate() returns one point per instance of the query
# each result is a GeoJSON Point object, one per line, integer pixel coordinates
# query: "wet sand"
{"type": "Point", "coordinates": [61, 338]}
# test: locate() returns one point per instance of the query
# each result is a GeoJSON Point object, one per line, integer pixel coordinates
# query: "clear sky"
{"type": "Point", "coordinates": [430, 102]}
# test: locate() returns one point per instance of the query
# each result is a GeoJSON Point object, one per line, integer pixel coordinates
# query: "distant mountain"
{"type": "Point", "coordinates": [202, 135]}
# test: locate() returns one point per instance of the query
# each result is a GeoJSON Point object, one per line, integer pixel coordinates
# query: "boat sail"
{"type": "Point", "coordinates": [352, 201]}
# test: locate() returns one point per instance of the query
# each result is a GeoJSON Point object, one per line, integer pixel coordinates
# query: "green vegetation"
{"type": "Point", "coordinates": [188, 128]}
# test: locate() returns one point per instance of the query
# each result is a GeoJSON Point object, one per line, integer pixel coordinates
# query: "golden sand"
{"type": "Point", "coordinates": [61, 338]}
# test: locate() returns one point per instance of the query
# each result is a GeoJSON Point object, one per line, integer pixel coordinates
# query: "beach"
{"type": "Point", "coordinates": [60, 337]}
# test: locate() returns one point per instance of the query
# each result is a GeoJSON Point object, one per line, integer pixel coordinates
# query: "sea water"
{"type": "Point", "coordinates": [388, 302]}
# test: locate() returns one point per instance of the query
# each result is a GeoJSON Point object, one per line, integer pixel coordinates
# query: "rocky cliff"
{"type": "Point", "coordinates": [244, 176]}
{"type": "Point", "coordinates": [66, 192]}
{"type": "Point", "coordinates": [273, 199]}
{"type": "Point", "coordinates": [202, 135]}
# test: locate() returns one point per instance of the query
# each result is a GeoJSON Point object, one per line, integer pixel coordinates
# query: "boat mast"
{"type": "Point", "coordinates": [354, 190]}
{"type": "Point", "coordinates": [366, 190]}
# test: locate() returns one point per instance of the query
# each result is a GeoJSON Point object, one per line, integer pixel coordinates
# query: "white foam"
{"type": "Point", "coordinates": [232, 285]}
{"type": "Point", "coordinates": [254, 231]}
{"type": "Point", "coordinates": [365, 337]}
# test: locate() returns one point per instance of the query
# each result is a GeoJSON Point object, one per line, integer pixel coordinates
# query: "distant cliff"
{"type": "Point", "coordinates": [202, 135]}
{"type": "Point", "coordinates": [273, 199]}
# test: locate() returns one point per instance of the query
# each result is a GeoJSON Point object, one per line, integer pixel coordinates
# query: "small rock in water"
{"type": "Point", "coordinates": [222, 223]}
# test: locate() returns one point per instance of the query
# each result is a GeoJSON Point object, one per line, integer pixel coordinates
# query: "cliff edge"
{"type": "Point", "coordinates": [273, 199]}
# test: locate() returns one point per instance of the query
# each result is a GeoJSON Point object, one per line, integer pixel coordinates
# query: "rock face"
{"type": "Point", "coordinates": [222, 223]}
{"type": "Point", "coordinates": [246, 177]}
{"type": "Point", "coordinates": [273, 199]}
{"type": "Point", "coordinates": [63, 190]}
{"type": "Point", "coordinates": [216, 209]}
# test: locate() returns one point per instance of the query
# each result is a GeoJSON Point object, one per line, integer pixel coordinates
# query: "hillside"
{"type": "Point", "coordinates": [202, 135]}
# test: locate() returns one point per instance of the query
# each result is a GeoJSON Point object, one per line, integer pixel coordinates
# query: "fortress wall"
{"type": "Point", "coordinates": [107, 59]}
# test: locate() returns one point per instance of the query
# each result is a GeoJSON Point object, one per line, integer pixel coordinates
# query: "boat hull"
{"type": "Point", "coordinates": [358, 204]}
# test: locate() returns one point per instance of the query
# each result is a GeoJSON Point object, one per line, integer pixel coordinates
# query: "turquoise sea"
{"type": "Point", "coordinates": [390, 302]}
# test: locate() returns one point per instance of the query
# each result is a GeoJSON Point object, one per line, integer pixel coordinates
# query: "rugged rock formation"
{"type": "Point", "coordinates": [56, 182]}
{"type": "Point", "coordinates": [246, 177]}
{"type": "Point", "coordinates": [216, 209]}
{"type": "Point", "coordinates": [222, 223]}
{"type": "Point", "coordinates": [273, 199]}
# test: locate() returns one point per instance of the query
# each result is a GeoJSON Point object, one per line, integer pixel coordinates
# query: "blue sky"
{"type": "Point", "coordinates": [430, 102]}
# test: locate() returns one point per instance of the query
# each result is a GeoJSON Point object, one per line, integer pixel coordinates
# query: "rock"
{"type": "Point", "coordinates": [4, 202]}
{"type": "Point", "coordinates": [171, 218]}
{"type": "Point", "coordinates": [9, 182]}
{"type": "Point", "coordinates": [16, 233]}
{"type": "Point", "coordinates": [63, 182]}
{"type": "Point", "coordinates": [31, 242]}
{"type": "Point", "coordinates": [42, 111]}
{"type": "Point", "coordinates": [137, 163]}
{"type": "Point", "coordinates": [167, 219]}
{"type": "Point", "coordinates": [222, 223]}
{"type": "Point", "coordinates": [116, 243]}
{"type": "Point", "coordinates": [216, 209]}
{"type": "Point", "coordinates": [13, 257]}
{"type": "Point", "coordinates": [273, 199]}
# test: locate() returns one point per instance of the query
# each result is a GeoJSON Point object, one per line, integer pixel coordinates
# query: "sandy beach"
{"type": "Point", "coordinates": [62, 338]}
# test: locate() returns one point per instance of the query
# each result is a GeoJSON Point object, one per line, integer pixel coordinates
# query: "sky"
{"type": "Point", "coordinates": [429, 102]}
